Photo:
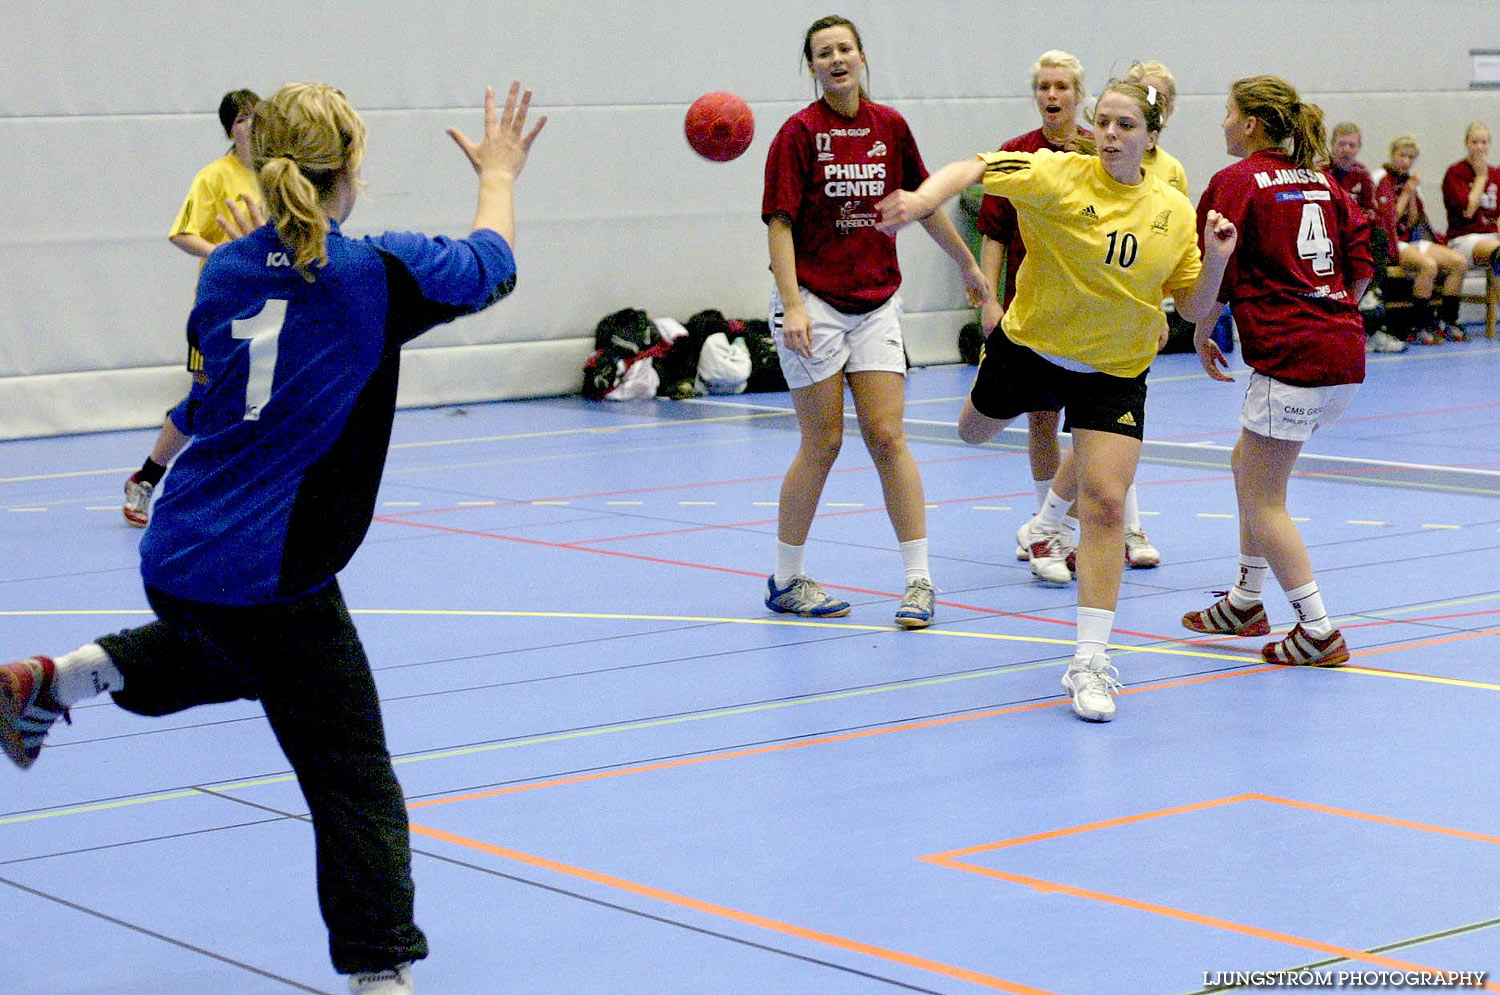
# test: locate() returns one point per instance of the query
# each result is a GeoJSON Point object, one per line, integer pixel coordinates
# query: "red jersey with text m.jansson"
{"type": "Point", "coordinates": [1303, 245]}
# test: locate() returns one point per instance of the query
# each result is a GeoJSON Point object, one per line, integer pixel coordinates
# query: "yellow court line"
{"type": "Point", "coordinates": [1425, 678]}
{"type": "Point", "coordinates": [674, 720]}
{"type": "Point", "coordinates": [726, 620]}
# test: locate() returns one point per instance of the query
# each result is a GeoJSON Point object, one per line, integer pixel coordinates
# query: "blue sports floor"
{"type": "Point", "coordinates": [626, 776]}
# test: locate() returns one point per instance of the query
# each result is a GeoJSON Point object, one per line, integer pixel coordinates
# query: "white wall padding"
{"type": "Point", "coordinates": [97, 150]}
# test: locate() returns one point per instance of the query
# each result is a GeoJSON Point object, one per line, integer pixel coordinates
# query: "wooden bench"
{"type": "Point", "coordinates": [1489, 297]}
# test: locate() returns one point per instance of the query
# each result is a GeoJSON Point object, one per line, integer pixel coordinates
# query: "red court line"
{"type": "Point", "coordinates": [1151, 636]}
{"type": "Point", "coordinates": [451, 530]}
{"type": "Point", "coordinates": [512, 502]}
{"type": "Point", "coordinates": [734, 915]}
{"type": "Point", "coordinates": [1420, 414]}
{"type": "Point", "coordinates": [949, 859]}
{"type": "Point", "coordinates": [576, 547]}
{"type": "Point", "coordinates": [852, 511]}
{"type": "Point", "coordinates": [878, 509]}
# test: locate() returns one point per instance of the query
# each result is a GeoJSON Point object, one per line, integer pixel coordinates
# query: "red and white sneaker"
{"type": "Point", "coordinates": [137, 509]}
{"type": "Point", "coordinates": [1299, 649]}
{"type": "Point", "coordinates": [1024, 539]}
{"type": "Point", "coordinates": [1051, 549]}
{"type": "Point", "coordinates": [1222, 618]}
{"type": "Point", "coordinates": [27, 708]}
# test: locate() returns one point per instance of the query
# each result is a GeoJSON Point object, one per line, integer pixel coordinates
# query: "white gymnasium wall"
{"type": "Point", "coordinates": [107, 110]}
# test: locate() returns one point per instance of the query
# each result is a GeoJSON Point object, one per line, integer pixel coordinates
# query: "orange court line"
{"type": "Point", "coordinates": [1088, 827]}
{"type": "Point", "coordinates": [843, 737]}
{"type": "Point", "coordinates": [1318, 946]}
{"type": "Point", "coordinates": [730, 755]}
{"type": "Point", "coordinates": [734, 915]}
{"type": "Point", "coordinates": [1384, 820]}
{"type": "Point", "coordinates": [1456, 637]}
{"type": "Point", "coordinates": [1212, 803]}
{"type": "Point", "coordinates": [947, 859]}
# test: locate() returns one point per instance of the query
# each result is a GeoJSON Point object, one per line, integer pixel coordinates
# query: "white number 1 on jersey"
{"type": "Point", "coordinates": [1313, 241]}
{"type": "Point", "coordinates": [263, 330]}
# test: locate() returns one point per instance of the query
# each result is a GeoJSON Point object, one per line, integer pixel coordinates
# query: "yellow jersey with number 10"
{"type": "Point", "coordinates": [1100, 256]}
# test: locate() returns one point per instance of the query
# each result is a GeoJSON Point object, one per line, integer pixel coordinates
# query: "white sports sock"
{"type": "Point", "coordinates": [83, 673]}
{"type": "Point", "coordinates": [1094, 627]}
{"type": "Point", "coordinates": [1246, 591]}
{"type": "Point", "coordinates": [914, 557]}
{"type": "Point", "coordinates": [1052, 510]}
{"type": "Point", "coordinates": [1070, 523]}
{"type": "Point", "coordinates": [1132, 510]}
{"type": "Point", "coordinates": [788, 563]}
{"type": "Point", "coordinates": [1042, 487]}
{"type": "Point", "coordinates": [1308, 604]}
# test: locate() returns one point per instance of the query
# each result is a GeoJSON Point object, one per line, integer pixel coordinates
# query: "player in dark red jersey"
{"type": "Point", "coordinates": [1471, 193]}
{"type": "Point", "coordinates": [835, 312]}
{"type": "Point", "coordinates": [1294, 285]}
{"type": "Point", "coordinates": [1414, 246]}
{"type": "Point", "coordinates": [1345, 143]}
{"type": "Point", "coordinates": [1057, 87]}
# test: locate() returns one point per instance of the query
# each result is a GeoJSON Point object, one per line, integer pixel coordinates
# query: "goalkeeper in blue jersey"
{"type": "Point", "coordinates": [300, 329]}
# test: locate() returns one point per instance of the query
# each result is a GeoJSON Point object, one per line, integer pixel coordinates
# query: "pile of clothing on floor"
{"type": "Point", "coordinates": [637, 356]}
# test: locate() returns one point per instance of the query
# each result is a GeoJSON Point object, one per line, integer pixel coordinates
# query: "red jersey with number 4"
{"type": "Point", "coordinates": [826, 172]}
{"type": "Point", "coordinates": [1457, 183]}
{"type": "Point", "coordinates": [1303, 244]}
{"type": "Point", "coordinates": [997, 215]}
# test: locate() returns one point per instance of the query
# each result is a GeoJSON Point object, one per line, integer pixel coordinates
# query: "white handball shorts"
{"type": "Point", "coordinates": [1278, 410]}
{"type": "Point", "coordinates": [1464, 244]}
{"type": "Point", "coordinates": [851, 342]}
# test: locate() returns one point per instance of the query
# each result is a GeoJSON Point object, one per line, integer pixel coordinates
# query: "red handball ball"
{"type": "Point", "coordinates": [719, 126]}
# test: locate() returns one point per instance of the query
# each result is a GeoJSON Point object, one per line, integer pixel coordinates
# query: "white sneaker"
{"type": "Point", "coordinates": [1092, 683]}
{"type": "Point", "coordinates": [1050, 547]}
{"type": "Point", "coordinates": [137, 507]}
{"type": "Point", "coordinates": [1386, 342]}
{"type": "Point", "coordinates": [393, 981]}
{"type": "Point", "coordinates": [1139, 552]}
{"type": "Point", "coordinates": [1024, 539]}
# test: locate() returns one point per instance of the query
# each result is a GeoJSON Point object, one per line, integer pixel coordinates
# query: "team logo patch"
{"type": "Point", "coordinates": [1160, 224]}
{"type": "Point", "coordinates": [1089, 214]}
{"type": "Point", "coordinates": [876, 151]}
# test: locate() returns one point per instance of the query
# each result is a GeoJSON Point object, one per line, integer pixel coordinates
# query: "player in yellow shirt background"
{"type": "Point", "coordinates": [198, 232]}
{"type": "Point", "coordinates": [1106, 242]}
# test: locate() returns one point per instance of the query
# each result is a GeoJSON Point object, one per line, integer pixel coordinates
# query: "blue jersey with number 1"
{"type": "Point", "coordinates": [291, 428]}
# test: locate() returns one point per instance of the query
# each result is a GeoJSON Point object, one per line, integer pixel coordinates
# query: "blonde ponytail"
{"type": "Point", "coordinates": [305, 138]}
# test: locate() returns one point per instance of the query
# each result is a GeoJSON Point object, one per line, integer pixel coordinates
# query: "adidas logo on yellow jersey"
{"type": "Point", "coordinates": [1089, 214]}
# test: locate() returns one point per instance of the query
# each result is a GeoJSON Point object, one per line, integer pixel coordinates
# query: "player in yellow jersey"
{"type": "Point", "coordinates": [1105, 243]}
{"type": "Point", "coordinates": [1159, 162]}
{"type": "Point", "coordinates": [199, 232]}
{"type": "Point", "coordinates": [1049, 560]}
